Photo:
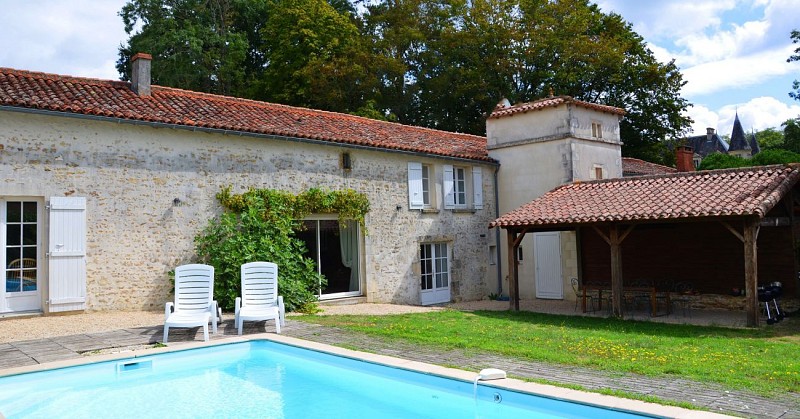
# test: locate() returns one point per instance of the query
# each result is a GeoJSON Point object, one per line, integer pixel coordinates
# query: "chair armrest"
{"type": "Point", "coordinates": [168, 309]}
{"type": "Point", "coordinates": [281, 310]}
{"type": "Point", "coordinates": [216, 310]}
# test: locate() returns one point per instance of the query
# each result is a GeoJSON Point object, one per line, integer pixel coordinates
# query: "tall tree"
{"type": "Point", "coordinates": [192, 41]}
{"type": "Point", "coordinates": [298, 52]}
{"type": "Point", "coordinates": [769, 138]}
{"type": "Point", "coordinates": [795, 36]}
{"type": "Point", "coordinates": [791, 135]}
{"type": "Point", "coordinates": [455, 59]}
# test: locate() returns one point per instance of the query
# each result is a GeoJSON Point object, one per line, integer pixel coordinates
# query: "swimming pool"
{"type": "Point", "coordinates": [261, 379]}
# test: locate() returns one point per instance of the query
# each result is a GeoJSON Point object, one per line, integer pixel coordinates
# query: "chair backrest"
{"type": "Point", "coordinates": [259, 284]}
{"type": "Point", "coordinates": [194, 287]}
{"type": "Point", "coordinates": [575, 285]}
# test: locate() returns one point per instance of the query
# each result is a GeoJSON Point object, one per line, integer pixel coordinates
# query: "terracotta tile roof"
{"type": "Point", "coordinates": [501, 111]}
{"type": "Point", "coordinates": [114, 99]}
{"type": "Point", "coordinates": [712, 193]}
{"type": "Point", "coordinates": [636, 167]}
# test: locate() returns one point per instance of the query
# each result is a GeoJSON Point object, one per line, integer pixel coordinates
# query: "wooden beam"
{"type": "Point", "coordinates": [733, 230]}
{"type": "Point", "coordinates": [601, 234]}
{"type": "Point", "coordinates": [625, 234]}
{"type": "Point", "coordinates": [751, 271]}
{"type": "Point", "coordinates": [513, 270]}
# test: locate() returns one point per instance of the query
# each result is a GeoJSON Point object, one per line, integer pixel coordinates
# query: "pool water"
{"type": "Point", "coordinates": [262, 379]}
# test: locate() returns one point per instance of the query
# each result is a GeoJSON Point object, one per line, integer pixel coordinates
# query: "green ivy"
{"type": "Point", "coordinates": [260, 225]}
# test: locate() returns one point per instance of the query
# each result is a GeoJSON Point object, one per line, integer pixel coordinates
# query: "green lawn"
{"type": "Point", "coordinates": [765, 360]}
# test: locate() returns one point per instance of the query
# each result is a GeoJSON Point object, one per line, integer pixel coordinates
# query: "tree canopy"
{"type": "Point", "coordinates": [442, 64]}
{"type": "Point", "coordinates": [795, 36]}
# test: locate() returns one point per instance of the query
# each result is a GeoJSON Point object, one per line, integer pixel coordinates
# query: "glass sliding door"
{"type": "Point", "coordinates": [335, 250]}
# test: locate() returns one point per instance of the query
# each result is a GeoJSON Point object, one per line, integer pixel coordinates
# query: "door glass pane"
{"type": "Point", "coordinates": [13, 212]}
{"type": "Point", "coordinates": [339, 256]}
{"type": "Point", "coordinates": [29, 212]}
{"type": "Point", "coordinates": [29, 255]}
{"type": "Point", "coordinates": [13, 234]}
{"type": "Point", "coordinates": [29, 234]}
{"type": "Point", "coordinates": [13, 257]}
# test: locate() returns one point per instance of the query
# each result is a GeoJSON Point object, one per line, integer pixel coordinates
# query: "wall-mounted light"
{"type": "Point", "coordinates": [399, 207]}
{"type": "Point", "coordinates": [176, 202]}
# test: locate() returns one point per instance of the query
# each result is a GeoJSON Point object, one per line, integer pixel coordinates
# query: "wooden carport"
{"type": "Point", "coordinates": [741, 200]}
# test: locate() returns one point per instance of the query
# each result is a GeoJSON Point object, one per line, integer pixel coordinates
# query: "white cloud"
{"type": "Point", "coordinates": [738, 72]}
{"type": "Point", "coordinates": [703, 118]}
{"type": "Point", "coordinates": [701, 48]}
{"type": "Point", "coordinates": [756, 114]}
{"type": "Point", "coordinates": [670, 19]}
{"type": "Point", "coordinates": [78, 37]}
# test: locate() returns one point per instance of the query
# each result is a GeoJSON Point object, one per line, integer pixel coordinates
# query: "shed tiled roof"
{"type": "Point", "coordinates": [713, 193]}
{"type": "Point", "coordinates": [115, 99]}
{"type": "Point", "coordinates": [501, 111]}
{"type": "Point", "coordinates": [636, 167]}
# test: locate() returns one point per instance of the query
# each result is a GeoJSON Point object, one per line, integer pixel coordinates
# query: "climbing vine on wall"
{"type": "Point", "coordinates": [260, 225]}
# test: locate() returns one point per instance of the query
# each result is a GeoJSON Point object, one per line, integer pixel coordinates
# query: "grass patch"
{"type": "Point", "coordinates": [764, 360]}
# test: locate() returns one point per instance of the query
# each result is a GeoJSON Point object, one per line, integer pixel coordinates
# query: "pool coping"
{"type": "Point", "coordinates": [512, 384]}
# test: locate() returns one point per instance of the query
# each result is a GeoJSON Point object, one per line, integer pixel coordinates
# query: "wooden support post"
{"type": "Point", "coordinates": [616, 271]}
{"type": "Point", "coordinates": [751, 228]}
{"type": "Point", "coordinates": [750, 240]}
{"type": "Point", "coordinates": [513, 270]}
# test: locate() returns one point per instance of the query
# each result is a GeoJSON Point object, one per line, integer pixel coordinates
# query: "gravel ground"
{"type": "Point", "coordinates": [14, 329]}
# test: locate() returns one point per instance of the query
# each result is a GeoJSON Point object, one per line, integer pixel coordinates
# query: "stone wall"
{"type": "Point", "coordinates": [150, 190]}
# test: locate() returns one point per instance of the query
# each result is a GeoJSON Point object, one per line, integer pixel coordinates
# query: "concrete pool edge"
{"type": "Point", "coordinates": [549, 391]}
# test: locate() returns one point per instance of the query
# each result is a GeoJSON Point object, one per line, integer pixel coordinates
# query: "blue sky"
{"type": "Point", "coordinates": [732, 53]}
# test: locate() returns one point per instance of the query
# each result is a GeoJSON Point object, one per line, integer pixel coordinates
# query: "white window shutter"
{"type": "Point", "coordinates": [447, 183]}
{"type": "Point", "coordinates": [477, 188]}
{"type": "Point", "coordinates": [67, 254]}
{"type": "Point", "coordinates": [415, 200]}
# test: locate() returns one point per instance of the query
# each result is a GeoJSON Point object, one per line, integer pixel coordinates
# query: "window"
{"type": "Point", "coordinates": [520, 254]}
{"type": "Point", "coordinates": [426, 186]}
{"type": "Point", "coordinates": [457, 186]}
{"type": "Point", "coordinates": [435, 269]}
{"type": "Point", "coordinates": [598, 172]}
{"type": "Point", "coordinates": [597, 129]}
{"type": "Point", "coordinates": [419, 185]}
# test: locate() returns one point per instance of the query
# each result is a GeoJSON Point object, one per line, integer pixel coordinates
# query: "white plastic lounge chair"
{"type": "Point", "coordinates": [260, 299]}
{"type": "Point", "coordinates": [194, 300]}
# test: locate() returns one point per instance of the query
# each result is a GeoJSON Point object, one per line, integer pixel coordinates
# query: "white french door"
{"type": "Point", "coordinates": [20, 237]}
{"type": "Point", "coordinates": [435, 273]}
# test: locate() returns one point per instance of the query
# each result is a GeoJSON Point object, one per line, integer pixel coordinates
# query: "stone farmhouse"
{"type": "Point", "coordinates": [104, 185]}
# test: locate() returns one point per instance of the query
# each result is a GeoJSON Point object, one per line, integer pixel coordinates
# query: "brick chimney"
{"type": "Point", "coordinates": [709, 133]}
{"type": "Point", "coordinates": [140, 74]}
{"type": "Point", "coordinates": [684, 158]}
